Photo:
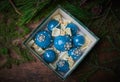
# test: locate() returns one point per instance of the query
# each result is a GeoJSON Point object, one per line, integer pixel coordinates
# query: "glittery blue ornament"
{"type": "Point", "coordinates": [78, 40]}
{"type": "Point", "coordinates": [73, 28]}
{"type": "Point", "coordinates": [62, 43]}
{"type": "Point", "coordinates": [75, 53]}
{"type": "Point", "coordinates": [52, 24]}
{"type": "Point", "coordinates": [49, 56]}
{"type": "Point", "coordinates": [62, 66]}
{"type": "Point", "coordinates": [43, 39]}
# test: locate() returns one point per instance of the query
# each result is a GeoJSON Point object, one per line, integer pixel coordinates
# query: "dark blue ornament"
{"type": "Point", "coordinates": [78, 40]}
{"type": "Point", "coordinates": [73, 28]}
{"type": "Point", "coordinates": [75, 53]}
{"type": "Point", "coordinates": [43, 39]}
{"type": "Point", "coordinates": [62, 43]}
{"type": "Point", "coordinates": [62, 66]}
{"type": "Point", "coordinates": [49, 56]}
{"type": "Point", "coordinates": [52, 24]}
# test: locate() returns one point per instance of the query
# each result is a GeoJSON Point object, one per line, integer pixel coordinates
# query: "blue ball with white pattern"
{"type": "Point", "coordinates": [52, 24]}
{"type": "Point", "coordinates": [43, 39]}
{"type": "Point", "coordinates": [75, 53]}
{"type": "Point", "coordinates": [62, 43]}
{"type": "Point", "coordinates": [49, 56]}
{"type": "Point", "coordinates": [62, 66]}
{"type": "Point", "coordinates": [73, 28]}
{"type": "Point", "coordinates": [78, 40]}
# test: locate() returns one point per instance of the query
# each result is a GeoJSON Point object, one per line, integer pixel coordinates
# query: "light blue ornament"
{"type": "Point", "coordinates": [62, 66]}
{"type": "Point", "coordinates": [78, 40]}
{"type": "Point", "coordinates": [43, 39]}
{"type": "Point", "coordinates": [52, 24]}
{"type": "Point", "coordinates": [62, 43]}
{"type": "Point", "coordinates": [75, 53]}
{"type": "Point", "coordinates": [73, 28]}
{"type": "Point", "coordinates": [49, 56]}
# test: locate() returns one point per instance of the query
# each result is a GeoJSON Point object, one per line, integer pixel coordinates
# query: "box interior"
{"type": "Point", "coordinates": [82, 30]}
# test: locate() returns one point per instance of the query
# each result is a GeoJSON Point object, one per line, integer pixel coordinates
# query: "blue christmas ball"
{"type": "Point", "coordinates": [52, 24]}
{"type": "Point", "coordinates": [62, 43]}
{"type": "Point", "coordinates": [62, 66]}
{"type": "Point", "coordinates": [75, 53]}
{"type": "Point", "coordinates": [73, 28]}
{"type": "Point", "coordinates": [43, 39]}
{"type": "Point", "coordinates": [78, 40]}
{"type": "Point", "coordinates": [49, 56]}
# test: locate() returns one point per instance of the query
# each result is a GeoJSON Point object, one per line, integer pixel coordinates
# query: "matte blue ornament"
{"type": "Point", "coordinates": [78, 40]}
{"type": "Point", "coordinates": [52, 24]}
{"type": "Point", "coordinates": [43, 39]}
{"type": "Point", "coordinates": [49, 56]}
{"type": "Point", "coordinates": [75, 53]}
{"type": "Point", "coordinates": [62, 43]}
{"type": "Point", "coordinates": [63, 66]}
{"type": "Point", "coordinates": [73, 28]}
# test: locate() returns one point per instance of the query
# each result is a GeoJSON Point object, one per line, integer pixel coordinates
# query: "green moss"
{"type": "Point", "coordinates": [9, 31]}
{"type": "Point", "coordinates": [4, 51]}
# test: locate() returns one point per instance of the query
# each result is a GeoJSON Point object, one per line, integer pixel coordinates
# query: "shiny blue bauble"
{"type": "Point", "coordinates": [62, 43]}
{"type": "Point", "coordinates": [78, 40]}
{"type": "Point", "coordinates": [75, 53]}
{"type": "Point", "coordinates": [49, 56]}
{"type": "Point", "coordinates": [52, 24]}
{"type": "Point", "coordinates": [43, 39]}
{"type": "Point", "coordinates": [73, 28]}
{"type": "Point", "coordinates": [62, 66]}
